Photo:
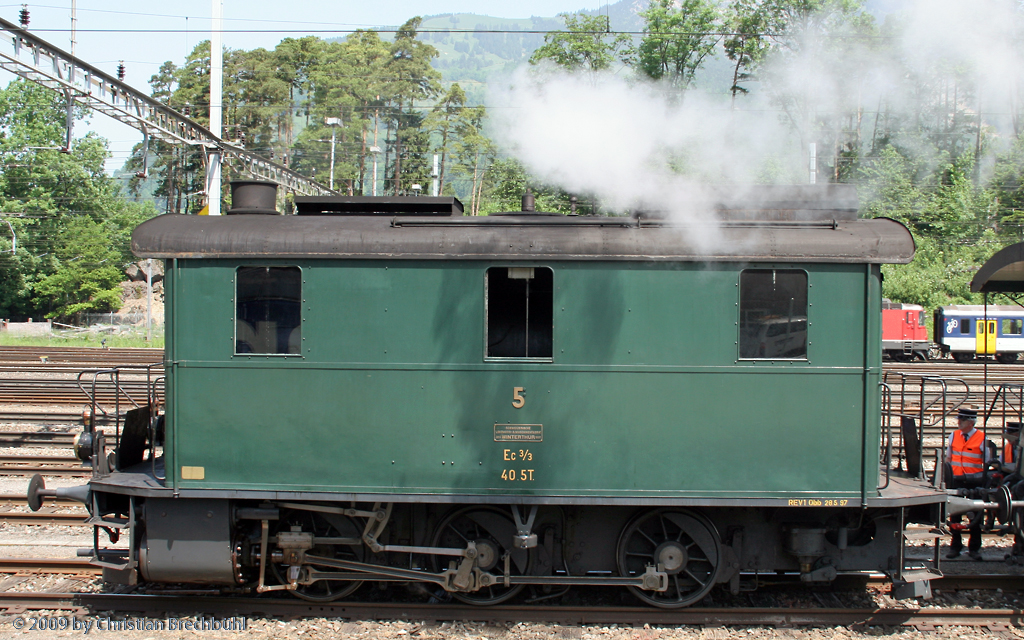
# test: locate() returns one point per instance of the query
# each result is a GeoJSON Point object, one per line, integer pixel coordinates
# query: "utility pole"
{"type": "Point", "coordinates": [433, 190]}
{"type": "Point", "coordinates": [149, 299]}
{"type": "Point", "coordinates": [375, 150]}
{"type": "Point", "coordinates": [70, 116]}
{"type": "Point", "coordinates": [216, 107]}
{"type": "Point", "coordinates": [332, 122]}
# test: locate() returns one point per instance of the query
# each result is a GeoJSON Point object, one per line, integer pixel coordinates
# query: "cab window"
{"type": "Point", "coordinates": [773, 314]}
{"type": "Point", "coordinates": [519, 312]}
{"type": "Point", "coordinates": [268, 310]}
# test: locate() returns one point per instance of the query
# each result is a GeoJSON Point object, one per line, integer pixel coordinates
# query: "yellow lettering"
{"type": "Point", "coordinates": [517, 397]}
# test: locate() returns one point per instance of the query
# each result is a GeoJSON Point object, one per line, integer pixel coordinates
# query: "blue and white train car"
{"type": "Point", "coordinates": [965, 331]}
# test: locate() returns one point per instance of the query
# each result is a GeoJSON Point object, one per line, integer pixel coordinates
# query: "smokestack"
{"type": "Point", "coordinates": [253, 196]}
{"type": "Point", "coordinates": [528, 201]}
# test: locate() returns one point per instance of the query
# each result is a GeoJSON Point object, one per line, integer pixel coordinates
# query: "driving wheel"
{"type": "Point", "coordinates": [685, 545]}
{"type": "Point", "coordinates": [323, 525]}
{"type": "Point", "coordinates": [492, 530]}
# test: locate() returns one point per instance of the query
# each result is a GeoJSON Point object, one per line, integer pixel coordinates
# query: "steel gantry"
{"type": "Point", "coordinates": [32, 58]}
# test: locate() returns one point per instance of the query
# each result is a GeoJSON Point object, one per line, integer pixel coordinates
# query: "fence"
{"type": "Point", "coordinates": [134, 318]}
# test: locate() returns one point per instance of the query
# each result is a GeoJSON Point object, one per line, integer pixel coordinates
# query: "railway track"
{"type": "Point", "coordinates": [54, 460]}
{"type": "Point", "coordinates": [70, 566]}
{"type": "Point", "coordinates": [159, 605]}
{"type": "Point", "coordinates": [56, 391]}
{"type": "Point", "coordinates": [8, 499]}
{"type": "Point", "coordinates": [991, 581]}
{"type": "Point", "coordinates": [64, 472]}
{"type": "Point", "coordinates": [36, 439]}
{"type": "Point", "coordinates": [47, 419]}
{"type": "Point", "coordinates": [41, 518]}
{"type": "Point", "coordinates": [80, 356]}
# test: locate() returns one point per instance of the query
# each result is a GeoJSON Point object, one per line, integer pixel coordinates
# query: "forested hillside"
{"type": "Point", "coordinates": [918, 105]}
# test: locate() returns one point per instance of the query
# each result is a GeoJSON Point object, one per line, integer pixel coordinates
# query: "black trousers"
{"type": "Point", "coordinates": [957, 543]}
{"type": "Point", "coordinates": [973, 544]}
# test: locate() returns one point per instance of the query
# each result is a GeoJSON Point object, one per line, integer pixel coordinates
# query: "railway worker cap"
{"type": "Point", "coordinates": [967, 413]}
{"type": "Point", "coordinates": [1012, 429]}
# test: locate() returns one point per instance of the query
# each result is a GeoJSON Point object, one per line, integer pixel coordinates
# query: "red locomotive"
{"type": "Point", "coordinates": [904, 335]}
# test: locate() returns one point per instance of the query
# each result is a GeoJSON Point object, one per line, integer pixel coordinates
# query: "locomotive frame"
{"type": "Point", "coordinates": [380, 433]}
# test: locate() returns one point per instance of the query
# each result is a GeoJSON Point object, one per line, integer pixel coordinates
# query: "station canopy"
{"type": "Point", "coordinates": [1003, 272]}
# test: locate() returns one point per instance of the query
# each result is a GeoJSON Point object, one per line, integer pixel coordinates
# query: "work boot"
{"type": "Point", "coordinates": [953, 553]}
{"type": "Point", "coordinates": [975, 555]}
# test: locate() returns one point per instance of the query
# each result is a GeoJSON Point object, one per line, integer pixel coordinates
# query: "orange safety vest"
{"type": "Point", "coordinates": [967, 458]}
{"type": "Point", "coordinates": [1008, 448]}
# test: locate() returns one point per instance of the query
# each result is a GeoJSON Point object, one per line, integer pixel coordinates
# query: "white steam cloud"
{"type": "Point", "coordinates": [631, 145]}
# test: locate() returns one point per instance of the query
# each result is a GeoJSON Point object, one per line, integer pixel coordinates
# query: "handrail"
{"type": "Point", "coordinates": [925, 402]}
{"type": "Point", "coordinates": [114, 377]}
{"type": "Point", "coordinates": [154, 418]}
{"type": "Point", "coordinates": [886, 392]}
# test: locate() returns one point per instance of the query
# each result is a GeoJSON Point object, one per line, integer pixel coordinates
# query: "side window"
{"type": "Point", "coordinates": [773, 313]}
{"type": "Point", "coordinates": [268, 310]}
{"type": "Point", "coordinates": [519, 312]}
{"type": "Point", "coordinates": [1011, 327]}
{"type": "Point", "coordinates": [965, 325]}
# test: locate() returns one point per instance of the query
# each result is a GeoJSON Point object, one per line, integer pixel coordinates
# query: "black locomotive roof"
{"type": "Point", "coordinates": [1003, 272]}
{"type": "Point", "coordinates": [521, 237]}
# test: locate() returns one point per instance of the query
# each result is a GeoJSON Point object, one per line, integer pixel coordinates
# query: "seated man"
{"type": "Point", "coordinates": [967, 454]}
{"type": "Point", "coordinates": [1008, 458]}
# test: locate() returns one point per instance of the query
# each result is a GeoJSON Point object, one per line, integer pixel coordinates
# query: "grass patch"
{"type": "Point", "coordinates": [131, 339]}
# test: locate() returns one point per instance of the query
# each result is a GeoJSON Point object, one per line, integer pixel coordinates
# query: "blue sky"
{"type": "Point", "coordinates": [113, 30]}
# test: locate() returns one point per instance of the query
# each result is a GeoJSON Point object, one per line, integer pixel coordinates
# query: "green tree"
{"type": "Point", "coordinates": [678, 36]}
{"type": "Point", "coordinates": [47, 196]}
{"type": "Point", "coordinates": [751, 24]}
{"type": "Point", "coordinates": [585, 45]}
{"type": "Point", "coordinates": [441, 121]}
{"type": "Point", "coordinates": [474, 153]}
{"type": "Point", "coordinates": [1006, 187]}
{"type": "Point", "coordinates": [295, 59]}
{"type": "Point", "coordinates": [411, 78]}
{"type": "Point", "coordinates": [89, 271]}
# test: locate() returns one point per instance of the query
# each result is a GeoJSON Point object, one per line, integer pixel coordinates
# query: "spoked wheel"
{"type": "Point", "coordinates": [323, 525]}
{"type": "Point", "coordinates": [684, 543]}
{"type": "Point", "coordinates": [492, 530]}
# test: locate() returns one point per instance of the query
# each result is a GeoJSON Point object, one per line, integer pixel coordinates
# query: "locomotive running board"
{"type": "Point", "coordinates": [650, 580]}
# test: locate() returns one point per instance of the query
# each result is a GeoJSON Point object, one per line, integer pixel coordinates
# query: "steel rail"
{"type": "Point", "coordinates": [162, 604]}
{"type": "Point", "coordinates": [60, 460]}
{"type": "Point", "coordinates": [48, 565]}
{"type": "Point", "coordinates": [81, 472]}
{"type": "Point", "coordinates": [20, 498]}
{"type": "Point", "coordinates": [40, 518]}
{"type": "Point", "coordinates": [89, 354]}
{"type": "Point", "coordinates": [35, 438]}
{"type": "Point", "coordinates": [62, 419]}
